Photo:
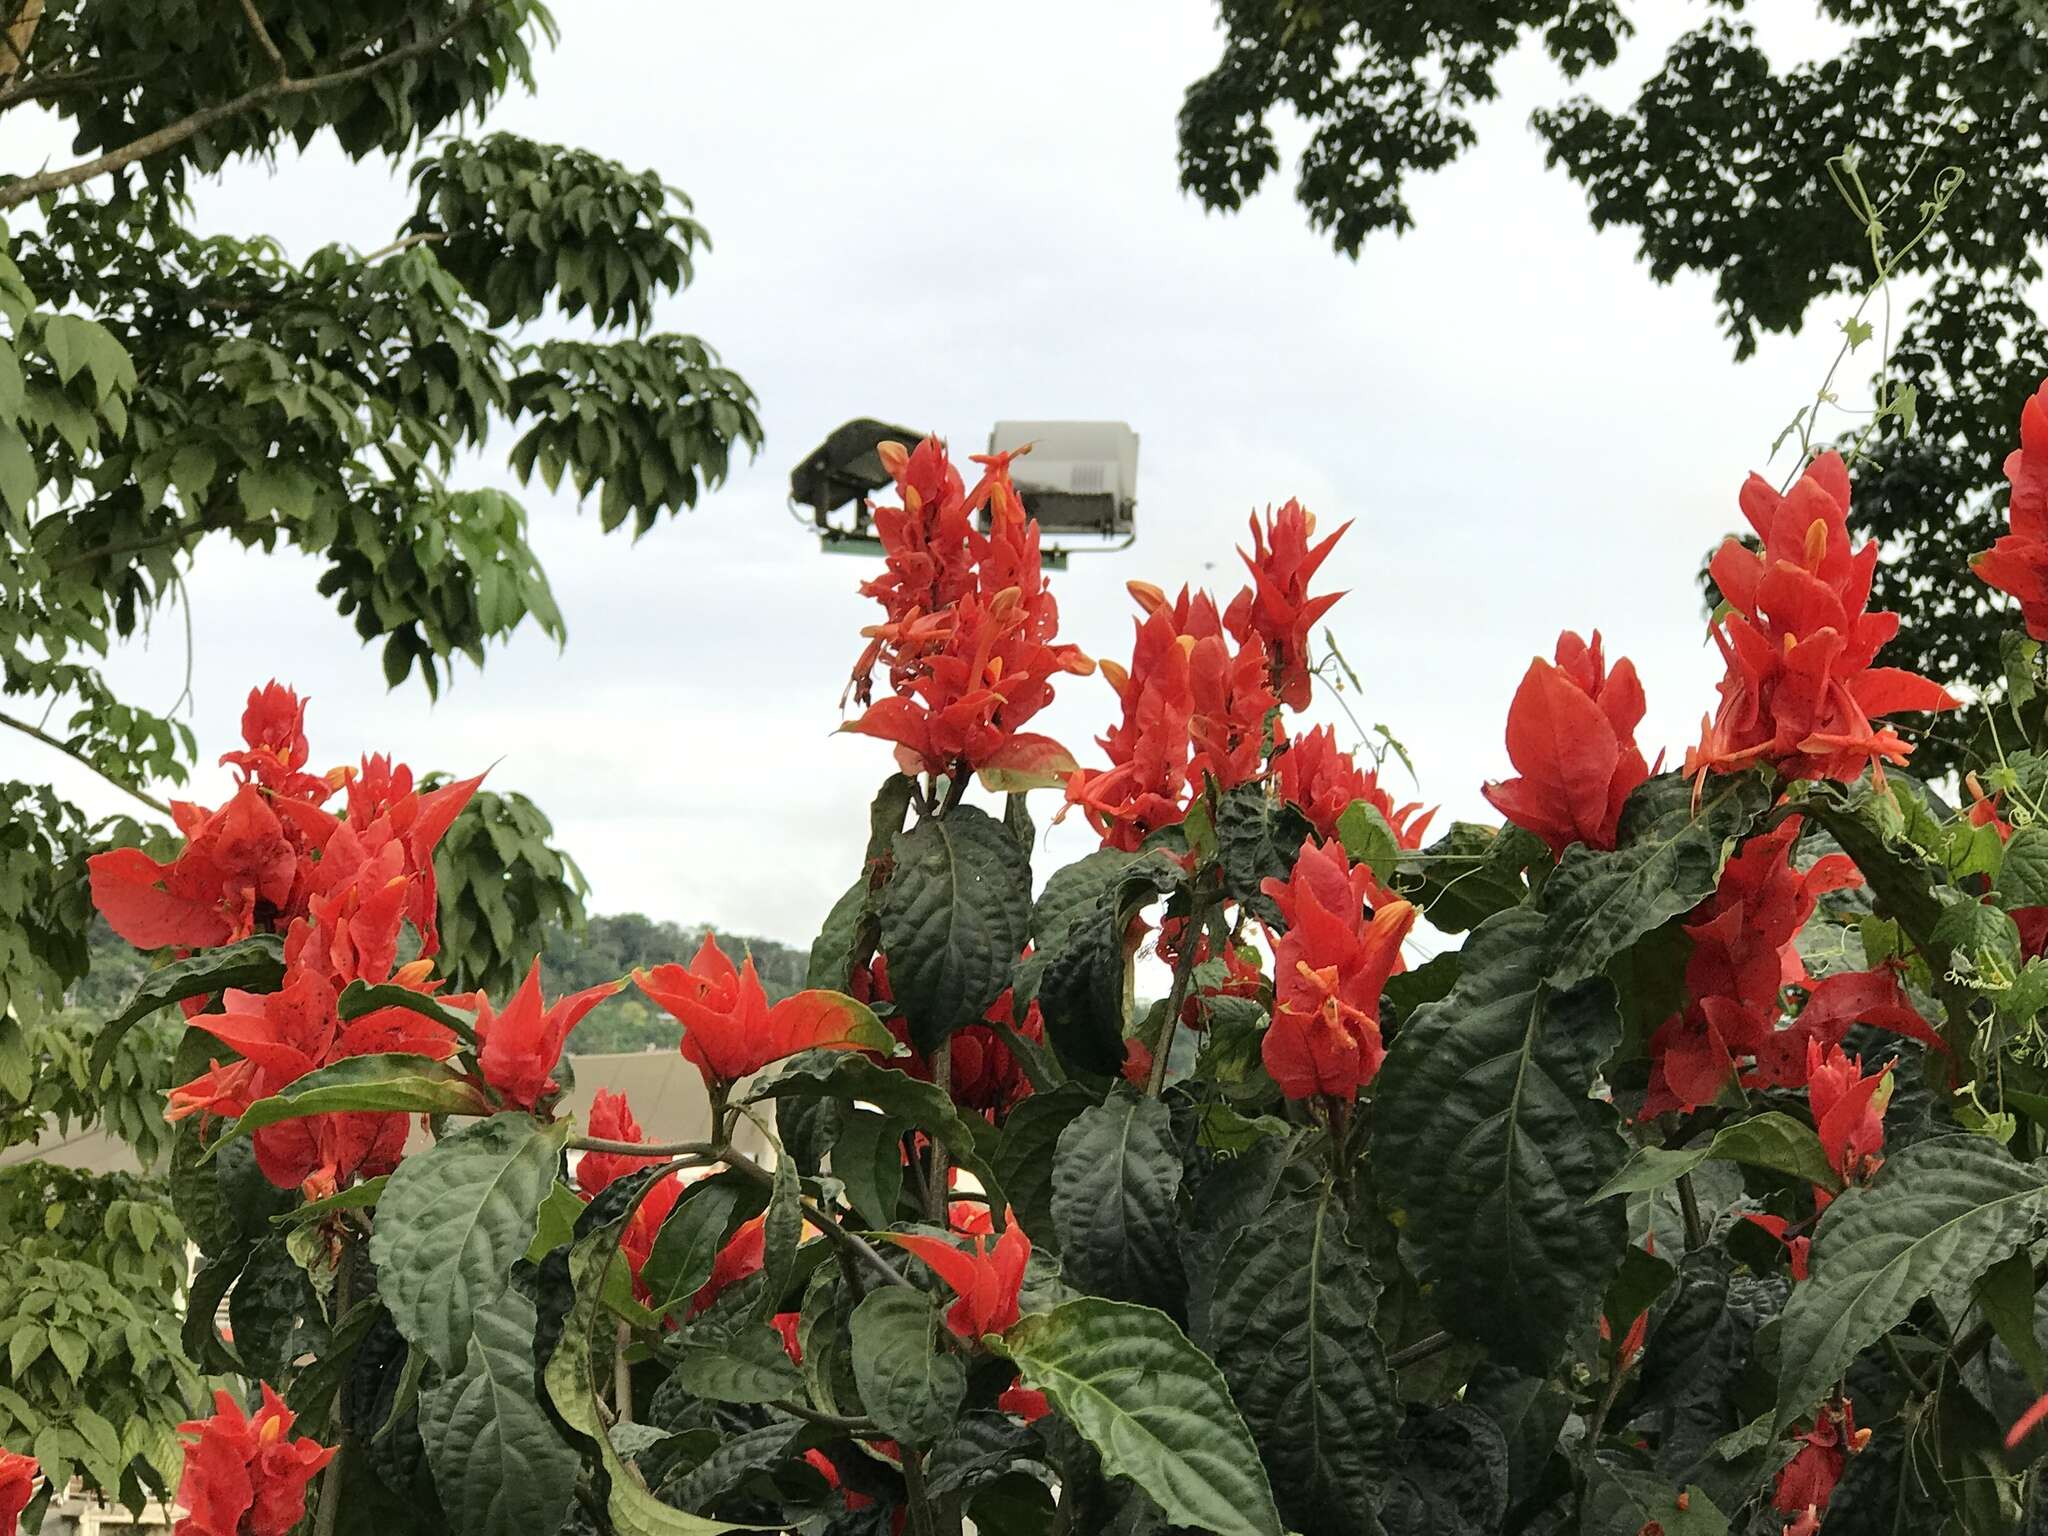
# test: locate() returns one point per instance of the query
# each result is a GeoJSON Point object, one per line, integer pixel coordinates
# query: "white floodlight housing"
{"type": "Point", "coordinates": [1081, 477]}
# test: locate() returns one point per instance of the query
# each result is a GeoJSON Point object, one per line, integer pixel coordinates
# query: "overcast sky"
{"type": "Point", "coordinates": [943, 216]}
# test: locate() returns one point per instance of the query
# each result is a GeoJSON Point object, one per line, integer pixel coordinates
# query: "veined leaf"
{"type": "Point", "coordinates": [253, 965]}
{"type": "Point", "coordinates": [1115, 1179]}
{"type": "Point", "coordinates": [413, 1085]}
{"type": "Point", "coordinates": [955, 915]}
{"type": "Point", "coordinates": [1768, 1140]}
{"type": "Point", "coordinates": [1154, 1406]}
{"type": "Point", "coordinates": [453, 1221]}
{"type": "Point", "coordinates": [1938, 1215]}
{"type": "Point", "coordinates": [1306, 1367]}
{"type": "Point", "coordinates": [910, 1383]}
{"type": "Point", "coordinates": [1488, 1146]}
{"type": "Point", "coordinates": [1667, 861]}
{"type": "Point", "coordinates": [842, 1074]}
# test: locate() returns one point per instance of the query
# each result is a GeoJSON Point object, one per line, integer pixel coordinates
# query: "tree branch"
{"type": "Point", "coordinates": [79, 757]}
{"type": "Point", "coordinates": [264, 39]}
{"type": "Point", "coordinates": [421, 237]}
{"type": "Point", "coordinates": [13, 194]}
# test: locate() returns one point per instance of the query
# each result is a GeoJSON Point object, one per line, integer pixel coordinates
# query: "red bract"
{"type": "Point", "coordinates": [1277, 607]}
{"type": "Point", "coordinates": [1797, 1249]}
{"type": "Point", "coordinates": [522, 1045]}
{"type": "Point", "coordinates": [985, 1075]}
{"type": "Point", "coordinates": [2018, 562]}
{"type": "Point", "coordinates": [730, 1031]}
{"type": "Point", "coordinates": [636, 1242]}
{"type": "Point", "coordinates": [1801, 693]}
{"type": "Point", "coordinates": [1322, 779]}
{"type": "Point", "coordinates": [1571, 737]}
{"type": "Point", "coordinates": [1328, 971]}
{"type": "Point", "coordinates": [986, 1279]}
{"type": "Point", "coordinates": [245, 1476]}
{"type": "Point", "coordinates": [1194, 707]}
{"type": "Point", "coordinates": [1026, 1404]}
{"type": "Point", "coordinates": [611, 1119]}
{"type": "Point", "coordinates": [1848, 1110]}
{"type": "Point", "coordinates": [1808, 1480]}
{"type": "Point", "coordinates": [274, 731]}
{"type": "Point", "coordinates": [969, 637]}
{"type": "Point", "coordinates": [17, 1487]}
{"type": "Point", "coordinates": [1743, 957]}
{"type": "Point", "coordinates": [234, 875]}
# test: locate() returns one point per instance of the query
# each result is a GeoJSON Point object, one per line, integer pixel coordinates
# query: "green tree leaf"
{"type": "Point", "coordinates": [253, 965]}
{"type": "Point", "coordinates": [747, 1366]}
{"type": "Point", "coordinates": [1625, 1503]}
{"type": "Point", "coordinates": [1115, 1180]}
{"type": "Point", "coordinates": [1488, 1146]}
{"type": "Point", "coordinates": [1297, 1346]}
{"type": "Point", "coordinates": [1667, 861]}
{"type": "Point", "coordinates": [1025, 1154]}
{"type": "Point", "coordinates": [687, 1246]}
{"type": "Point", "coordinates": [500, 1466]}
{"type": "Point", "coordinates": [1937, 1216]}
{"type": "Point", "coordinates": [955, 915]}
{"type": "Point", "coordinates": [910, 1382]}
{"type": "Point", "coordinates": [452, 1222]}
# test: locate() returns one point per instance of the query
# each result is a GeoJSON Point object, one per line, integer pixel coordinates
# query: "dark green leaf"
{"type": "Point", "coordinates": [1623, 1503]}
{"type": "Point", "coordinates": [1305, 1366]}
{"type": "Point", "coordinates": [911, 1384]}
{"type": "Point", "coordinates": [253, 965]}
{"type": "Point", "coordinates": [1024, 1154]}
{"type": "Point", "coordinates": [413, 1085]}
{"type": "Point", "coordinates": [749, 1366]}
{"type": "Point", "coordinates": [1488, 1147]}
{"type": "Point", "coordinates": [1154, 1407]}
{"type": "Point", "coordinates": [1470, 873]}
{"type": "Point", "coordinates": [452, 1222]}
{"type": "Point", "coordinates": [687, 1246]}
{"type": "Point", "coordinates": [867, 1157]}
{"type": "Point", "coordinates": [1768, 1140]}
{"type": "Point", "coordinates": [1257, 839]}
{"type": "Point", "coordinates": [1938, 1215]}
{"type": "Point", "coordinates": [955, 916]}
{"type": "Point", "coordinates": [1667, 860]}
{"type": "Point", "coordinates": [1115, 1180]}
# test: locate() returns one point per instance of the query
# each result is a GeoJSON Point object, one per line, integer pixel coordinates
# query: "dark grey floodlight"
{"type": "Point", "coordinates": [846, 468]}
{"type": "Point", "coordinates": [1079, 480]}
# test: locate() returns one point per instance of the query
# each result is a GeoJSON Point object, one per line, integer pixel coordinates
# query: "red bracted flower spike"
{"type": "Point", "coordinates": [246, 1476]}
{"type": "Point", "coordinates": [17, 1486]}
{"type": "Point", "coordinates": [986, 1279]}
{"type": "Point", "coordinates": [1848, 1110]}
{"type": "Point", "coordinates": [1328, 971]}
{"type": "Point", "coordinates": [1319, 777]}
{"type": "Point", "coordinates": [1808, 1480]}
{"type": "Point", "coordinates": [611, 1119]}
{"type": "Point", "coordinates": [1571, 737]}
{"type": "Point", "coordinates": [2018, 562]}
{"type": "Point", "coordinates": [970, 626]}
{"type": "Point", "coordinates": [522, 1045]}
{"type": "Point", "coordinates": [1801, 693]}
{"type": "Point", "coordinates": [1798, 1250]}
{"type": "Point", "coordinates": [729, 1031]}
{"type": "Point", "coordinates": [1277, 607]}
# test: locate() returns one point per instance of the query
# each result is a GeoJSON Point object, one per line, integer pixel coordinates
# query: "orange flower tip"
{"type": "Point", "coordinates": [893, 456]}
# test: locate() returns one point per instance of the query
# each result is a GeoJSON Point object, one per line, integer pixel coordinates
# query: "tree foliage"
{"type": "Point", "coordinates": [1719, 166]}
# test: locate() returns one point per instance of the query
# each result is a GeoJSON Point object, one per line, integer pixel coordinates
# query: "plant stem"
{"type": "Point", "coordinates": [832, 1421]}
{"type": "Point", "coordinates": [936, 1184]}
{"type": "Point", "coordinates": [825, 1221]}
{"type": "Point", "coordinates": [1422, 1349]}
{"type": "Point", "coordinates": [1183, 973]}
{"type": "Point", "coordinates": [686, 1151]}
{"type": "Point", "coordinates": [622, 1374]}
{"type": "Point", "coordinates": [1689, 1207]}
{"type": "Point", "coordinates": [330, 1481]}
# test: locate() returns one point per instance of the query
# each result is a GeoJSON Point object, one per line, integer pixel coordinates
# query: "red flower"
{"type": "Point", "coordinates": [1137, 1067]}
{"type": "Point", "coordinates": [17, 1487]}
{"type": "Point", "coordinates": [1315, 774]}
{"type": "Point", "coordinates": [234, 875]}
{"type": "Point", "coordinates": [245, 1476]}
{"type": "Point", "coordinates": [1026, 1404]}
{"type": "Point", "coordinates": [1848, 1110]}
{"type": "Point", "coordinates": [1328, 970]}
{"type": "Point", "coordinates": [1571, 736]}
{"type": "Point", "coordinates": [1743, 957]}
{"type": "Point", "coordinates": [274, 731]}
{"type": "Point", "coordinates": [1277, 607]}
{"type": "Point", "coordinates": [742, 1255]}
{"type": "Point", "coordinates": [2022, 1427]}
{"type": "Point", "coordinates": [611, 1119]}
{"type": "Point", "coordinates": [786, 1323]}
{"type": "Point", "coordinates": [986, 1279]}
{"type": "Point", "coordinates": [2018, 562]}
{"type": "Point", "coordinates": [969, 633]}
{"type": "Point", "coordinates": [522, 1045]}
{"type": "Point", "coordinates": [1801, 693]}
{"type": "Point", "coordinates": [730, 1031]}
{"type": "Point", "coordinates": [1798, 1250]}
{"type": "Point", "coordinates": [985, 1074]}
{"type": "Point", "coordinates": [1193, 707]}
{"type": "Point", "coordinates": [1808, 1480]}
{"type": "Point", "coordinates": [637, 1241]}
